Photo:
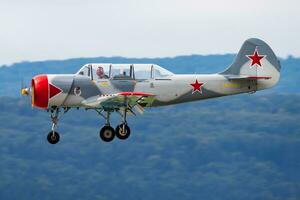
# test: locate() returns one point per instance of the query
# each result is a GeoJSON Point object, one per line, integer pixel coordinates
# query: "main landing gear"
{"type": "Point", "coordinates": [53, 136]}
{"type": "Point", "coordinates": [107, 133]}
{"type": "Point", "coordinates": [122, 131]}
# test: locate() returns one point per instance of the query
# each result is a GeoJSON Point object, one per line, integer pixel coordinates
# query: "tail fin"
{"type": "Point", "coordinates": [258, 61]}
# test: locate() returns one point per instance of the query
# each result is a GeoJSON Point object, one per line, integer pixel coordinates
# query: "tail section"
{"type": "Point", "coordinates": [257, 61]}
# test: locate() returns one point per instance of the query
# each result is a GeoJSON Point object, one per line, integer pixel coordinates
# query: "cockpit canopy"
{"type": "Point", "coordinates": [124, 71]}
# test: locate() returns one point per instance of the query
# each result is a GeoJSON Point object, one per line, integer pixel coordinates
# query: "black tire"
{"type": "Point", "coordinates": [107, 133]}
{"type": "Point", "coordinates": [122, 134]}
{"type": "Point", "coordinates": [53, 138]}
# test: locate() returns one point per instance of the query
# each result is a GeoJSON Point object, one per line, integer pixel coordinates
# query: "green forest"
{"type": "Point", "coordinates": [237, 147]}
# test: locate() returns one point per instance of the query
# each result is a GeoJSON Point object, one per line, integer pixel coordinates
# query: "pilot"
{"type": "Point", "coordinates": [100, 73]}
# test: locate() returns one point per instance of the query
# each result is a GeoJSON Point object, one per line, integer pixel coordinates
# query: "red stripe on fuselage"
{"type": "Point", "coordinates": [136, 94]}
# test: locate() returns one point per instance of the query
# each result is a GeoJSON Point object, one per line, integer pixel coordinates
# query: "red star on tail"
{"type": "Point", "coordinates": [255, 58]}
{"type": "Point", "coordinates": [197, 87]}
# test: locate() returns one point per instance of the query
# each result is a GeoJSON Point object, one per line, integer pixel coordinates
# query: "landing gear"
{"type": "Point", "coordinates": [53, 136]}
{"type": "Point", "coordinates": [107, 133]}
{"type": "Point", "coordinates": [122, 131]}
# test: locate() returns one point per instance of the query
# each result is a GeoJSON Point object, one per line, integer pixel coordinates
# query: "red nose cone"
{"type": "Point", "coordinates": [40, 91]}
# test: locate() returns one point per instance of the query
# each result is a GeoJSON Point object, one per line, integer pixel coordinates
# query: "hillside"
{"type": "Point", "coordinates": [240, 147]}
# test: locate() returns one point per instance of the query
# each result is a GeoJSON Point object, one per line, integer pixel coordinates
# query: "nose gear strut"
{"type": "Point", "coordinates": [53, 136]}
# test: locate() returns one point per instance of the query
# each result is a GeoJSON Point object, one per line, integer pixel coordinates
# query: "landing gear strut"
{"type": "Point", "coordinates": [107, 133]}
{"type": "Point", "coordinates": [53, 136]}
{"type": "Point", "coordinates": [123, 130]}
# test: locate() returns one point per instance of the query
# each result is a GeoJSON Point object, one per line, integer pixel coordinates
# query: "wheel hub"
{"type": "Point", "coordinates": [122, 130]}
{"type": "Point", "coordinates": [107, 133]}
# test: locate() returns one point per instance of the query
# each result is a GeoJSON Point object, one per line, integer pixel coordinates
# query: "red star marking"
{"type": "Point", "coordinates": [256, 58]}
{"type": "Point", "coordinates": [197, 87]}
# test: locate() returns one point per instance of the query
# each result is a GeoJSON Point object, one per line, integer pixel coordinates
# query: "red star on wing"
{"type": "Point", "coordinates": [197, 87]}
{"type": "Point", "coordinates": [255, 58]}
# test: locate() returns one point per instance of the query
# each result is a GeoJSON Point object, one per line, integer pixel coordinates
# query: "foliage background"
{"type": "Point", "coordinates": [238, 147]}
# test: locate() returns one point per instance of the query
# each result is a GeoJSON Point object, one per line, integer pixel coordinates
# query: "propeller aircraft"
{"type": "Point", "coordinates": [130, 88]}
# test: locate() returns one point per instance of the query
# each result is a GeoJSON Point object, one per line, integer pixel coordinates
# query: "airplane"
{"type": "Point", "coordinates": [130, 88]}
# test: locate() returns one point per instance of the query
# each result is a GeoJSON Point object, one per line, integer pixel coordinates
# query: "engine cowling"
{"type": "Point", "coordinates": [42, 91]}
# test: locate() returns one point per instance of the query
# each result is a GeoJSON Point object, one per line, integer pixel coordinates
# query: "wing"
{"type": "Point", "coordinates": [119, 100]}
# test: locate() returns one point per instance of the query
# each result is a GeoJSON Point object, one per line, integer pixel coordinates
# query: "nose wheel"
{"type": "Point", "coordinates": [53, 137]}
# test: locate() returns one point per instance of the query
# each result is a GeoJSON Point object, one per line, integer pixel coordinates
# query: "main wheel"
{"type": "Point", "coordinates": [107, 133]}
{"type": "Point", "coordinates": [53, 137]}
{"type": "Point", "coordinates": [122, 131]}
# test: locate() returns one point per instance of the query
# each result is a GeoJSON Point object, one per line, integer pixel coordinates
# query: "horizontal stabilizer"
{"type": "Point", "coordinates": [240, 77]}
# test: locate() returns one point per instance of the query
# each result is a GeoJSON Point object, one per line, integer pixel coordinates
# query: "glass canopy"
{"type": "Point", "coordinates": [124, 71]}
